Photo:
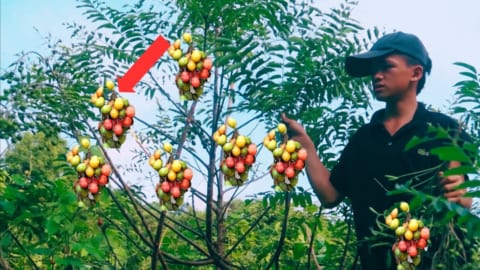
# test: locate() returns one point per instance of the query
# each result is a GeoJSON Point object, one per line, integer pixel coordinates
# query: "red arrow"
{"type": "Point", "coordinates": [142, 65]}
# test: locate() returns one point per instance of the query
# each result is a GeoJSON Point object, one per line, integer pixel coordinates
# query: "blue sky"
{"type": "Point", "coordinates": [449, 29]}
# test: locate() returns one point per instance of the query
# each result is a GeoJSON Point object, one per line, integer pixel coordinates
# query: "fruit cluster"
{"type": "Point", "coordinates": [175, 178]}
{"type": "Point", "coordinates": [117, 116]}
{"type": "Point", "coordinates": [289, 159]}
{"type": "Point", "coordinates": [238, 154]}
{"type": "Point", "coordinates": [194, 69]}
{"type": "Point", "coordinates": [412, 237]}
{"type": "Point", "coordinates": [93, 173]}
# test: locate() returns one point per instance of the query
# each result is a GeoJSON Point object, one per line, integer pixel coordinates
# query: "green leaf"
{"type": "Point", "coordinates": [450, 153]}
{"type": "Point", "coordinates": [461, 170]}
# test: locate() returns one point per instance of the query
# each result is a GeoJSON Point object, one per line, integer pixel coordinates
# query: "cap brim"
{"type": "Point", "coordinates": [359, 65]}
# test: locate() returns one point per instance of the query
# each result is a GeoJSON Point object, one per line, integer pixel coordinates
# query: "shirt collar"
{"type": "Point", "coordinates": [420, 113]}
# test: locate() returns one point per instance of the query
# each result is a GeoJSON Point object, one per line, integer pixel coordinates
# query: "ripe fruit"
{"type": "Point", "coordinates": [109, 85]}
{"type": "Point", "coordinates": [85, 143]}
{"type": "Point", "coordinates": [92, 172]}
{"type": "Point", "coordinates": [175, 178]}
{"type": "Point", "coordinates": [117, 117]}
{"type": "Point", "coordinates": [187, 37]}
{"type": "Point", "coordinates": [411, 234]}
{"type": "Point", "coordinates": [288, 159]}
{"type": "Point", "coordinates": [238, 151]}
{"type": "Point", "coordinates": [194, 68]}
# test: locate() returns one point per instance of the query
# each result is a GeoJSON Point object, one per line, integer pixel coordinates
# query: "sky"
{"type": "Point", "coordinates": [450, 30]}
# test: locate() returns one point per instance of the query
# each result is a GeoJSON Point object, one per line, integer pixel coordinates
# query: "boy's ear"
{"type": "Point", "coordinates": [417, 73]}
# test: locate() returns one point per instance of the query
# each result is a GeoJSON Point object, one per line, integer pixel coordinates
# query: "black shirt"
{"type": "Point", "coordinates": [372, 154]}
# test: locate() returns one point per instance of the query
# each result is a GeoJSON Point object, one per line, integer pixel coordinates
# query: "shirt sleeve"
{"type": "Point", "coordinates": [339, 176]}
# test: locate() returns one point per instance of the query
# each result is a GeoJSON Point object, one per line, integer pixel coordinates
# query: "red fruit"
{"type": "Point", "coordinates": [204, 74]}
{"type": "Point", "coordinates": [118, 129]}
{"type": "Point", "coordinates": [93, 188]}
{"type": "Point", "coordinates": [83, 182]}
{"type": "Point", "coordinates": [252, 149]}
{"type": "Point", "coordinates": [106, 169]}
{"type": "Point", "coordinates": [108, 124]}
{"type": "Point", "coordinates": [425, 233]}
{"type": "Point", "coordinates": [240, 167]}
{"type": "Point", "coordinates": [165, 187]}
{"type": "Point", "coordinates": [100, 222]}
{"type": "Point", "coordinates": [130, 111]}
{"type": "Point", "coordinates": [185, 184]}
{"type": "Point", "coordinates": [195, 81]}
{"type": "Point", "coordinates": [127, 121]}
{"type": "Point", "coordinates": [207, 63]}
{"type": "Point", "coordinates": [290, 172]}
{"type": "Point", "coordinates": [185, 76]}
{"type": "Point", "coordinates": [299, 164]}
{"type": "Point", "coordinates": [422, 243]}
{"type": "Point", "coordinates": [412, 251]}
{"type": "Point", "coordinates": [280, 167]}
{"type": "Point", "coordinates": [402, 246]}
{"type": "Point", "coordinates": [175, 191]}
{"type": "Point", "coordinates": [249, 159]}
{"type": "Point", "coordinates": [188, 174]}
{"type": "Point", "coordinates": [103, 180]}
{"type": "Point", "coordinates": [230, 162]}
{"type": "Point", "coordinates": [302, 154]}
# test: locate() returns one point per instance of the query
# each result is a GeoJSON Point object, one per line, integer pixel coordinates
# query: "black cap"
{"type": "Point", "coordinates": [398, 42]}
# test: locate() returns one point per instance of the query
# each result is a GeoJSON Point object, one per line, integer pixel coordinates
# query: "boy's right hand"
{"type": "Point", "coordinates": [296, 131]}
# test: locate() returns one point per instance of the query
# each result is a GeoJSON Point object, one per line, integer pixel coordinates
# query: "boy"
{"type": "Point", "coordinates": [398, 64]}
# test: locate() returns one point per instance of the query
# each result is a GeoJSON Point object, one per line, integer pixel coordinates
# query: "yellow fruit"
{"type": "Point", "coordinates": [413, 225]}
{"type": "Point", "coordinates": [232, 122]}
{"type": "Point", "coordinates": [394, 223]}
{"type": "Point", "coordinates": [99, 102]}
{"type": "Point", "coordinates": [93, 99]}
{"type": "Point", "coordinates": [290, 146]}
{"type": "Point", "coordinates": [167, 147]}
{"type": "Point", "coordinates": [241, 141]}
{"type": "Point", "coordinates": [75, 149]}
{"type": "Point", "coordinates": [113, 113]}
{"type": "Point", "coordinates": [236, 151]}
{"type": "Point", "coordinates": [272, 144]}
{"type": "Point", "coordinates": [191, 66]}
{"type": "Point", "coordinates": [89, 171]}
{"type": "Point", "coordinates": [196, 56]}
{"type": "Point", "coordinates": [222, 129]}
{"type": "Point", "coordinates": [118, 103]}
{"type": "Point", "coordinates": [85, 142]}
{"type": "Point", "coordinates": [271, 134]}
{"type": "Point", "coordinates": [394, 212]}
{"type": "Point", "coordinates": [172, 176]}
{"type": "Point", "coordinates": [404, 207]}
{"type": "Point", "coordinates": [222, 139]}
{"type": "Point", "coordinates": [282, 128]}
{"type": "Point", "coordinates": [109, 85]}
{"type": "Point", "coordinates": [286, 156]}
{"type": "Point", "coordinates": [187, 37]}
{"type": "Point", "coordinates": [176, 166]}
{"type": "Point", "coordinates": [408, 235]}
{"type": "Point", "coordinates": [177, 44]}
{"type": "Point", "coordinates": [157, 154]}
{"type": "Point", "coordinates": [388, 220]}
{"type": "Point", "coordinates": [94, 162]}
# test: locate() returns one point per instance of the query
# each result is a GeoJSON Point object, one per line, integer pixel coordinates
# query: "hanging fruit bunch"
{"type": "Point", "coordinates": [92, 171]}
{"type": "Point", "coordinates": [175, 178]}
{"type": "Point", "coordinates": [412, 237]}
{"type": "Point", "coordinates": [288, 159]}
{"type": "Point", "coordinates": [194, 68]}
{"type": "Point", "coordinates": [117, 116]}
{"type": "Point", "coordinates": [238, 154]}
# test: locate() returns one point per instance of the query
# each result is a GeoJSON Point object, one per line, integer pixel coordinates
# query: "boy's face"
{"type": "Point", "coordinates": [393, 77]}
